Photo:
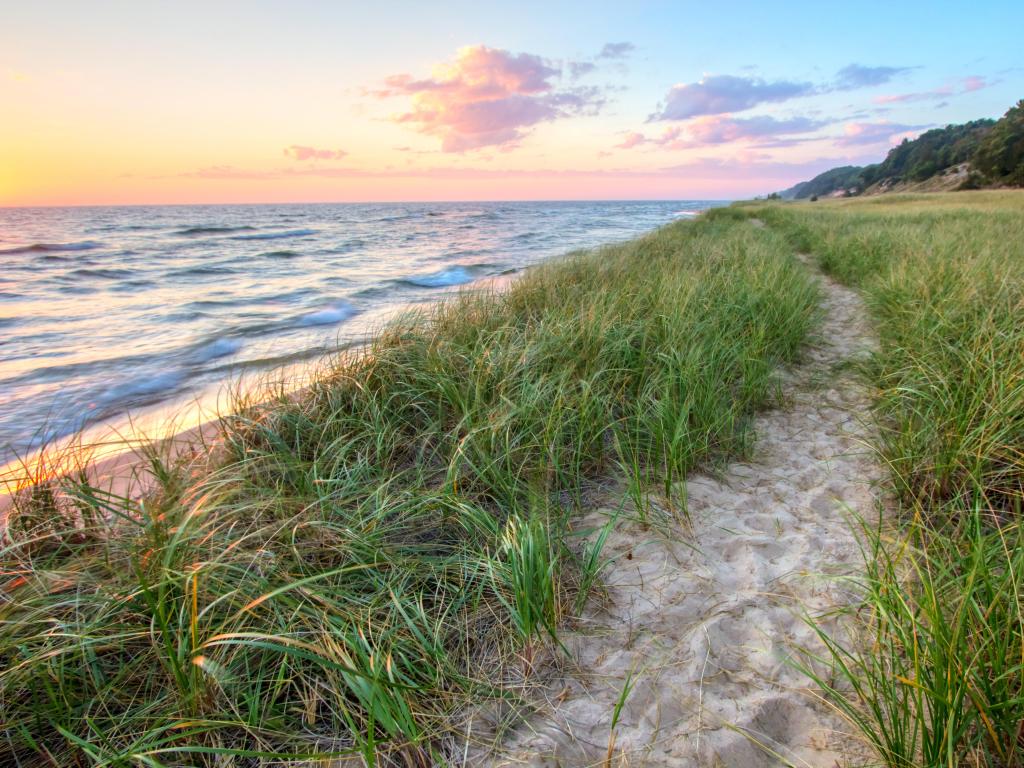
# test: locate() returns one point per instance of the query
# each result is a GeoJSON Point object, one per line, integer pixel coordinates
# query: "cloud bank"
{"type": "Point", "coordinates": [722, 94]}
{"type": "Point", "coordinates": [723, 129]}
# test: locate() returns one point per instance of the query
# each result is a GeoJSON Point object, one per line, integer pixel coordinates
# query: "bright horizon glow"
{"type": "Point", "coordinates": [118, 104]}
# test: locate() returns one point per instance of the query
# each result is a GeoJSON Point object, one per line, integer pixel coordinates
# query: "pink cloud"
{"type": "Point", "coordinates": [667, 137]}
{"type": "Point", "coordinates": [884, 132]}
{"type": "Point", "coordinates": [633, 139]}
{"type": "Point", "coordinates": [487, 97]}
{"type": "Point", "coordinates": [299, 152]}
{"type": "Point", "coordinates": [723, 129]}
{"type": "Point", "coordinates": [963, 85]}
{"type": "Point", "coordinates": [974, 83]}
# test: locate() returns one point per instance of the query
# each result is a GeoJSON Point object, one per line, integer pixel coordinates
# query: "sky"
{"type": "Point", "coordinates": [301, 101]}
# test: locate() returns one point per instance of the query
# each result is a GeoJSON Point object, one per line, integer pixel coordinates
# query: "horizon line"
{"type": "Point", "coordinates": [387, 202]}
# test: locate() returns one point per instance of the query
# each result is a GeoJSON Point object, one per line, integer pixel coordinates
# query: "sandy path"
{"type": "Point", "coordinates": [708, 622]}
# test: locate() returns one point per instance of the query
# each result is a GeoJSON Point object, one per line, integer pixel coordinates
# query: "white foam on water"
{"type": "Point", "coordinates": [446, 277]}
{"type": "Point", "coordinates": [330, 315]}
{"type": "Point", "coordinates": [218, 348]}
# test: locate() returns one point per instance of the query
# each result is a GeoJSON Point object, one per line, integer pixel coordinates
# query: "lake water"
{"type": "Point", "coordinates": [105, 310]}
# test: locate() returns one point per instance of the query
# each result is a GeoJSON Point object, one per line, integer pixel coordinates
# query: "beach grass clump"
{"type": "Point", "coordinates": [356, 567]}
{"type": "Point", "coordinates": [936, 676]}
{"type": "Point", "coordinates": [931, 674]}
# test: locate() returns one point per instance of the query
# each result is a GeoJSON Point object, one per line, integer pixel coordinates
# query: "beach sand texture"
{"type": "Point", "coordinates": [707, 620]}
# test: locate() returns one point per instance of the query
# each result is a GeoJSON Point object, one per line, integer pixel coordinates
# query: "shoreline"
{"type": "Point", "coordinates": [113, 451]}
{"type": "Point", "coordinates": [192, 297]}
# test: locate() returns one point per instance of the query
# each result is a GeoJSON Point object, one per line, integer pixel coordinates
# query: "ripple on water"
{"type": "Point", "coordinates": [211, 230]}
{"type": "Point", "coordinates": [83, 245]}
{"type": "Point", "coordinates": [277, 235]}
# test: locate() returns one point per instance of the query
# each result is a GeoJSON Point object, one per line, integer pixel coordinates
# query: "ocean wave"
{"type": "Point", "coordinates": [337, 280]}
{"type": "Point", "coordinates": [202, 304]}
{"type": "Point", "coordinates": [374, 291]}
{"type": "Point", "coordinates": [83, 369]}
{"type": "Point", "coordinates": [335, 313]}
{"type": "Point", "coordinates": [102, 273]}
{"type": "Point", "coordinates": [201, 271]}
{"type": "Point", "coordinates": [218, 348]}
{"type": "Point", "coordinates": [396, 217]}
{"type": "Point", "coordinates": [274, 361]}
{"type": "Point", "coordinates": [348, 246]}
{"type": "Point", "coordinates": [132, 286]}
{"type": "Point", "coordinates": [463, 253]}
{"type": "Point", "coordinates": [186, 316]}
{"type": "Point", "coordinates": [277, 235]}
{"type": "Point", "coordinates": [441, 279]}
{"type": "Point", "coordinates": [140, 390]}
{"type": "Point", "coordinates": [279, 255]}
{"type": "Point", "coordinates": [64, 258]}
{"type": "Point", "coordinates": [78, 290]}
{"type": "Point", "coordinates": [249, 300]}
{"type": "Point", "coordinates": [125, 227]}
{"type": "Point", "coordinates": [84, 245]}
{"type": "Point", "coordinates": [211, 230]}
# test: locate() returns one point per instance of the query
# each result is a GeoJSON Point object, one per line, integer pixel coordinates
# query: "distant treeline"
{"type": "Point", "coordinates": [992, 149]}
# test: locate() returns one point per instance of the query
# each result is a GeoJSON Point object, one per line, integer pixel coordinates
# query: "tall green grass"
{"type": "Point", "coordinates": [936, 677]}
{"type": "Point", "coordinates": [944, 280]}
{"type": "Point", "coordinates": [357, 565]}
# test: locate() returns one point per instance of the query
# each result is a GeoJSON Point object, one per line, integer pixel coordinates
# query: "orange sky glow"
{"type": "Point", "coordinates": [118, 104]}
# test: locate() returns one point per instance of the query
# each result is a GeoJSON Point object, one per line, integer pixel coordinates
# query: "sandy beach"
{"type": "Point", "coordinates": [115, 455]}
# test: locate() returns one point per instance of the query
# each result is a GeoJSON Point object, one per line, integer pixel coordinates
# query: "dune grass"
{"type": "Point", "coordinates": [357, 566]}
{"type": "Point", "coordinates": [936, 677]}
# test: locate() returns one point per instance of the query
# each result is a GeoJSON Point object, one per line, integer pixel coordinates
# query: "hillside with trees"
{"type": "Point", "coordinates": [979, 154]}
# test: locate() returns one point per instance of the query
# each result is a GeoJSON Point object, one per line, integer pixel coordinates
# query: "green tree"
{"type": "Point", "coordinates": [1000, 155]}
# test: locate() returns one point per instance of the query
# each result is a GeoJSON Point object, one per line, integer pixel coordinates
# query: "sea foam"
{"type": "Point", "coordinates": [444, 278]}
{"type": "Point", "coordinates": [330, 315]}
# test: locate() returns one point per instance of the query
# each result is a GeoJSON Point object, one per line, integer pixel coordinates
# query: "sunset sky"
{"type": "Point", "coordinates": [112, 103]}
